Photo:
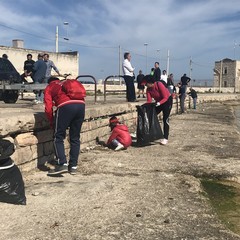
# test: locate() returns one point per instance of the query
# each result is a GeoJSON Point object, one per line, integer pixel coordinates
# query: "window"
{"type": "Point", "coordinates": [225, 70]}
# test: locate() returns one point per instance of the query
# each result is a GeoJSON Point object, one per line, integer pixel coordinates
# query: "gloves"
{"type": "Point", "coordinates": [157, 104]}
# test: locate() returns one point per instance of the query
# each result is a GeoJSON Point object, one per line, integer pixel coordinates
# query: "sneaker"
{"type": "Point", "coordinates": [58, 170]}
{"type": "Point", "coordinates": [119, 147]}
{"type": "Point", "coordinates": [138, 96]}
{"type": "Point", "coordinates": [144, 96]}
{"type": "Point", "coordinates": [164, 141]}
{"type": "Point", "coordinates": [72, 170]}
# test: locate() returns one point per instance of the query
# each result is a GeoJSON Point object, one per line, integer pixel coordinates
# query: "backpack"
{"type": "Point", "coordinates": [74, 89]}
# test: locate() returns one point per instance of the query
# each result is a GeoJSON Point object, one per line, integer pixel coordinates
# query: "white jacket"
{"type": "Point", "coordinates": [127, 68]}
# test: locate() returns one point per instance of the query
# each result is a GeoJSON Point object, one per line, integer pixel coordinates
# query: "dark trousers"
{"type": "Point", "coordinates": [166, 109]}
{"type": "Point", "coordinates": [72, 116]}
{"type": "Point", "coordinates": [131, 95]}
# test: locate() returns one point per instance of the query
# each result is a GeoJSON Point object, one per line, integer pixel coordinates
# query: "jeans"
{"type": "Point", "coordinates": [166, 109]}
{"type": "Point", "coordinates": [72, 116]}
{"type": "Point", "coordinates": [194, 103]}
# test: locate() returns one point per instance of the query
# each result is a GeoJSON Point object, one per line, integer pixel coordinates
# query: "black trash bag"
{"type": "Point", "coordinates": [11, 182]}
{"type": "Point", "coordinates": [11, 185]}
{"type": "Point", "coordinates": [148, 126]}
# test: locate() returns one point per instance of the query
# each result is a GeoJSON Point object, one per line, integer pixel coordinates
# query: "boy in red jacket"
{"type": "Point", "coordinates": [120, 137]}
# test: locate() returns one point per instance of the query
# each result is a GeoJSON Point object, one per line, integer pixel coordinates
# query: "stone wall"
{"type": "Point", "coordinates": [30, 131]}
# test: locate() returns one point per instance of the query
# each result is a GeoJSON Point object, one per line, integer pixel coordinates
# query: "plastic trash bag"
{"type": "Point", "coordinates": [11, 182]}
{"type": "Point", "coordinates": [12, 186]}
{"type": "Point", "coordinates": [148, 126]}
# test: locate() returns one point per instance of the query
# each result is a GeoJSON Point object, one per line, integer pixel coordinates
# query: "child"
{"type": "Point", "coordinates": [120, 137]}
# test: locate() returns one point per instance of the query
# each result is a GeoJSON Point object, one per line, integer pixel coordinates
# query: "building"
{"type": "Point", "coordinates": [66, 62]}
{"type": "Point", "coordinates": [227, 74]}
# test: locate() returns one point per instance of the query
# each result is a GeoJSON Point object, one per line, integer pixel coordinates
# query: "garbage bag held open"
{"type": "Point", "coordinates": [148, 126]}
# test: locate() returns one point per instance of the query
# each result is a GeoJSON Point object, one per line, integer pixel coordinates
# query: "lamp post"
{"type": "Point", "coordinates": [146, 45]}
{"type": "Point", "coordinates": [66, 24]}
{"type": "Point", "coordinates": [158, 55]}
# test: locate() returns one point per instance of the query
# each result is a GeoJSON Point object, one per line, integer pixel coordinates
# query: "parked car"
{"type": "Point", "coordinates": [8, 75]}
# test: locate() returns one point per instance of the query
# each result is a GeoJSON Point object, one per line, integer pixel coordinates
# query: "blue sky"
{"type": "Point", "coordinates": [205, 30]}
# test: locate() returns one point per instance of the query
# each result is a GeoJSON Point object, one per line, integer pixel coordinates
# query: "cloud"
{"type": "Point", "coordinates": [203, 29]}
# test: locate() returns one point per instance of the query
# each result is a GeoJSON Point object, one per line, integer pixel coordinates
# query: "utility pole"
{"type": "Point", "coordinates": [120, 63]}
{"type": "Point", "coordinates": [168, 56]}
{"type": "Point", "coordinates": [56, 39]}
{"type": "Point", "coordinates": [190, 69]}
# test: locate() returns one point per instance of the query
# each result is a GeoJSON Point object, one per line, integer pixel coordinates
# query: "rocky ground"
{"type": "Point", "coordinates": [152, 192]}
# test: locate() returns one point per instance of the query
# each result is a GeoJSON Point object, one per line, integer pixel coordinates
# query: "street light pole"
{"type": "Point", "coordinates": [146, 44]}
{"type": "Point", "coordinates": [66, 24]}
{"type": "Point", "coordinates": [56, 39]}
{"type": "Point", "coordinates": [158, 55]}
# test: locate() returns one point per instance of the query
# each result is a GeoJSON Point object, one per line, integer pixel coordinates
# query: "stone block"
{"type": "Point", "coordinates": [25, 139]}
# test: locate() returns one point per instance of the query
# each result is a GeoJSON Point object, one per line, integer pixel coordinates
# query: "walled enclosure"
{"type": "Point", "coordinates": [30, 131]}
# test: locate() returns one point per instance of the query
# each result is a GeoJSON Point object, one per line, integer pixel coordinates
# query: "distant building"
{"type": "Point", "coordinates": [227, 74]}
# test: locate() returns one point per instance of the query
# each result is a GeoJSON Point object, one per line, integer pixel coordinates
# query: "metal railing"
{"type": "Point", "coordinates": [105, 86]}
{"type": "Point", "coordinates": [95, 84]}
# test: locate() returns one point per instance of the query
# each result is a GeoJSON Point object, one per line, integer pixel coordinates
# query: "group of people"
{"type": "Point", "coordinates": [39, 71]}
{"type": "Point", "coordinates": [160, 88]}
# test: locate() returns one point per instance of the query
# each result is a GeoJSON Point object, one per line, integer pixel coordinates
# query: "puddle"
{"type": "Point", "coordinates": [225, 199]}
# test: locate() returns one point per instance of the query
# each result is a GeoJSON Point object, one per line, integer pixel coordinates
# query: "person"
{"type": "Point", "coordinates": [157, 72]}
{"type": "Point", "coordinates": [39, 68]}
{"type": "Point", "coordinates": [69, 114]}
{"type": "Point", "coordinates": [184, 82]}
{"type": "Point", "coordinates": [50, 65]}
{"type": "Point", "coordinates": [163, 100]}
{"type": "Point", "coordinates": [140, 86]}
{"type": "Point", "coordinates": [128, 71]}
{"type": "Point", "coordinates": [193, 94]}
{"type": "Point", "coordinates": [164, 76]}
{"type": "Point", "coordinates": [28, 68]}
{"type": "Point", "coordinates": [170, 85]}
{"type": "Point", "coordinates": [182, 96]}
{"type": "Point", "coordinates": [5, 56]}
{"type": "Point", "coordinates": [120, 137]}
{"type": "Point", "coordinates": [152, 71]}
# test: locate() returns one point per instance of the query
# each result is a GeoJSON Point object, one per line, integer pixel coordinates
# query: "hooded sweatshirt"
{"type": "Point", "coordinates": [121, 133]}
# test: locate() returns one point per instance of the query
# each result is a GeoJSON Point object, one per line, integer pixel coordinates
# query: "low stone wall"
{"type": "Point", "coordinates": [30, 131]}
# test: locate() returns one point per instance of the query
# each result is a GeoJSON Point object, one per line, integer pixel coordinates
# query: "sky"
{"type": "Point", "coordinates": [196, 31]}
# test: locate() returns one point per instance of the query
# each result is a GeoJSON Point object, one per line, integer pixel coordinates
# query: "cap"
{"type": "Point", "coordinates": [113, 119]}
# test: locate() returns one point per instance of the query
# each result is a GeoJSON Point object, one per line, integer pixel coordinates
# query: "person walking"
{"type": "Point", "coordinates": [140, 86]}
{"type": "Point", "coordinates": [128, 72]}
{"type": "Point", "coordinates": [163, 100]}
{"type": "Point", "coordinates": [69, 114]}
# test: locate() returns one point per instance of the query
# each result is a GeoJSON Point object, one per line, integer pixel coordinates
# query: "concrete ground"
{"type": "Point", "coordinates": [152, 192]}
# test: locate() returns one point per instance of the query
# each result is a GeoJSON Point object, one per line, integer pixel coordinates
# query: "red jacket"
{"type": "Point", "coordinates": [55, 97]}
{"type": "Point", "coordinates": [159, 92]}
{"type": "Point", "coordinates": [121, 133]}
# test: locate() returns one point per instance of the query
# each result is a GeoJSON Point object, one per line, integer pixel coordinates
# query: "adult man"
{"type": "Point", "coordinates": [50, 65]}
{"type": "Point", "coordinates": [69, 113]}
{"type": "Point", "coordinates": [157, 72]}
{"type": "Point", "coordinates": [28, 67]}
{"type": "Point", "coordinates": [184, 81]}
{"type": "Point", "coordinates": [39, 69]}
{"type": "Point", "coordinates": [128, 71]}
